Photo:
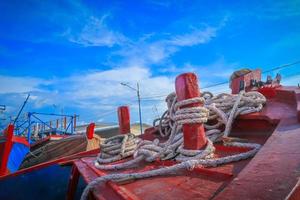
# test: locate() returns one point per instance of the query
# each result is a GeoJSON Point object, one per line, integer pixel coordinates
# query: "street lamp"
{"type": "Point", "coordinates": [137, 89]}
{"type": "Point", "coordinates": [2, 107]}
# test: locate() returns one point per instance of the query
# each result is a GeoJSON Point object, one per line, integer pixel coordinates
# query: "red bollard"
{"type": "Point", "coordinates": [74, 126]}
{"type": "Point", "coordinates": [90, 130]}
{"type": "Point", "coordinates": [65, 122]}
{"type": "Point", "coordinates": [5, 149]}
{"type": "Point", "coordinates": [186, 88]}
{"type": "Point", "coordinates": [124, 119]}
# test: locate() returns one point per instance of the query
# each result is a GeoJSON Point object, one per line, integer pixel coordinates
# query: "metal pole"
{"type": "Point", "coordinates": [140, 112]}
{"type": "Point", "coordinates": [71, 123]}
{"type": "Point", "coordinates": [2, 107]}
{"type": "Point", "coordinates": [29, 127]}
{"type": "Point", "coordinates": [75, 116]}
{"type": "Point", "coordinates": [21, 108]}
{"type": "Point", "coordinates": [139, 101]}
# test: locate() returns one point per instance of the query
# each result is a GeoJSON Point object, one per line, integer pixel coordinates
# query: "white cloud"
{"type": "Point", "coordinates": [96, 94]}
{"type": "Point", "coordinates": [291, 81]}
{"type": "Point", "coordinates": [194, 38]}
{"type": "Point", "coordinates": [145, 53]}
{"type": "Point", "coordinates": [101, 92]}
{"type": "Point", "coordinates": [96, 33]}
{"type": "Point", "coordinates": [220, 68]}
{"type": "Point", "coordinates": [104, 84]}
{"type": "Point", "coordinates": [218, 71]}
{"type": "Point", "coordinates": [11, 84]}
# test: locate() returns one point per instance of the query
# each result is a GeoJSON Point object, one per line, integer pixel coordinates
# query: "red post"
{"type": "Point", "coordinates": [90, 129]}
{"type": "Point", "coordinates": [75, 121]}
{"type": "Point", "coordinates": [124, 119]}
{"type": "Point", "coordinates": [186, 88]}
{"type": "Point", "coordinates": [9, 132]}
{"type": "Point", "coordinates": [73, 182]}
{"type": "Point", "coordinates": [65, 122]}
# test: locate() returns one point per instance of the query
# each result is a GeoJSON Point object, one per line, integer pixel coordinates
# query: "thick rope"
{"type": "Point", "coordinates": [117, 148]}
{"type": "Point", "coordinates": [217, 112]}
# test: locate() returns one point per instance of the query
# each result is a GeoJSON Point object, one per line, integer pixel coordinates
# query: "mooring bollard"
{"type": "Point", "coordinates": [186, 88]}
{"type": "Point", "coordinates": [74, 126]}
{"type": "Point", "coordinates": [65, 122]}
{"type": "Point", "coordinates": [124, 119]}
{"type": "Point", "coordinates": [6, 148]}
{"type": "Point", "coordinates": [90, 130]}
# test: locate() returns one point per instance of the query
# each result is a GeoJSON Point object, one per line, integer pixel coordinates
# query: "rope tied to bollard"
{"type": "Point", "coordinates": [218, 111]}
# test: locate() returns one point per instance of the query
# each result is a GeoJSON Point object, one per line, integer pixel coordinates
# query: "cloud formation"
{"type": "Point", "coordinates": [196, 37]}
{"type": "Point", "coordinates": [92, 92]}
{"type": "Point", "coordinates": [95, 33]}
{"type": "Point", "coordinates": [12, 84]}
{"type": "Point", "coordinates": [148, 51]}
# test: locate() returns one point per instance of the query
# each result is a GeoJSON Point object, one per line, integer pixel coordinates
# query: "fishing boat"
{"type": "Point", "coordinates": [20, 151]}
{"type": "Point", "coordinates": [243, 145]}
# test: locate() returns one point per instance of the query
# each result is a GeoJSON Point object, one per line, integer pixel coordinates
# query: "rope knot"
{"type": "Point", "coordinates": [192, 115]}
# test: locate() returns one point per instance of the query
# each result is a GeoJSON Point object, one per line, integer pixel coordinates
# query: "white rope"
{"type": "Point", "coordinates": [117, 148]}
{"type": "Point", "coordinates": [217, 112]}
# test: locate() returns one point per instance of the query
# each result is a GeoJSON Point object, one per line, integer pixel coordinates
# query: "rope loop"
{"type": "Point", "coordinates": [217, 114]}
{"type": "Point", "coordinates": [117, 148]}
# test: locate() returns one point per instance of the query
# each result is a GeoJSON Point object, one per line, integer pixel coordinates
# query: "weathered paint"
{"type": "Point", "coordinates": [63, 160]}
{"type": "Point", "coordinates": [73, 182]}
{"type": "Point", "coordinates": [295, 193]}
{"type": "Point", "coordinates": [271, 174]}
{"type": "Point", "coordinates": [124, 119]}
{"type": "Point", "coordinates": [246, 79]}
{"type": "Point", "coordinates": [65, 122]}
{"type": "Point", "coordinates": [186, 86]}
{"type": "Point", "coordinates": [6, 149]}
{"type": "Point", "coordinates": [160, 187]}
{"type": "Point", "coordinates": [90, 130]}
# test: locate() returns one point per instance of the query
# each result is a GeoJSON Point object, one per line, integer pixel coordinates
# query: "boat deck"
{"type": "Point", "coordinates": [199, 183]}
{"type": "Point", "coordinates": [271, 174]}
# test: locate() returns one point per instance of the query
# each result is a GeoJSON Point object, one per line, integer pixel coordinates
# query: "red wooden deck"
{"type": "Point", "coordinates": [200, 183]}
{"type": "Point", "coordinates": [271, 174]}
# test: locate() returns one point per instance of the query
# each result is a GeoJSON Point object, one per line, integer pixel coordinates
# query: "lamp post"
{"type": "Point", "coordinates": [2, 107]}
{"type": "Point", "coordinates": [137, 89]}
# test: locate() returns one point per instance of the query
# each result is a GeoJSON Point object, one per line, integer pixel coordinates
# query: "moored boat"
{"type": "Point", "coordinates": [242, 145]}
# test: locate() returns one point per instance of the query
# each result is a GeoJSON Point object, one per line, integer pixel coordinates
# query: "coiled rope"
{"type": "Point", "coordinates": [117, 148]}
{"type": "Point", "coordinates": [218, 111]}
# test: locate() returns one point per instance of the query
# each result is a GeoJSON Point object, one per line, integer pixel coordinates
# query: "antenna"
{"type": "Point", "coordinates": [20, 111]}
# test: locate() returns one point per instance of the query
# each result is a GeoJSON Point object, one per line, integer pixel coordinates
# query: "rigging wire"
{"type": "Point", "coordinates": [281, 67]}
{"type": "Point", "coordinates": [221, 91]}
{"type": "Point", "coordinates": [226, 82]}
{"type": "Point", "coordinates": [160, 97]}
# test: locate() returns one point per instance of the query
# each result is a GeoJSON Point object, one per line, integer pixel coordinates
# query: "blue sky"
{"type": "Point", "coordinates": [74, 54]}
